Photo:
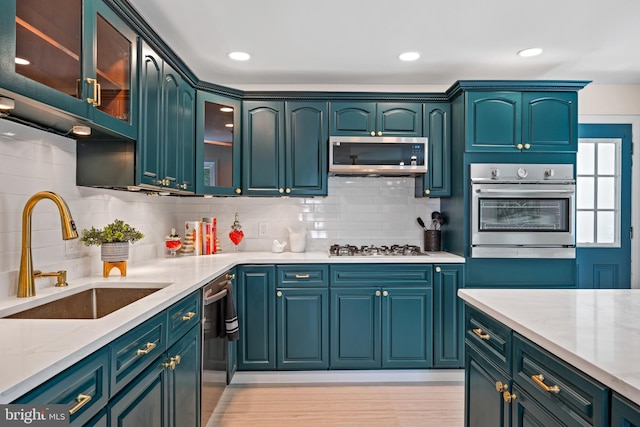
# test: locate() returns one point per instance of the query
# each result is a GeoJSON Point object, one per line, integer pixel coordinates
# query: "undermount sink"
{"type": "Point", "coordinates": [92, 303]}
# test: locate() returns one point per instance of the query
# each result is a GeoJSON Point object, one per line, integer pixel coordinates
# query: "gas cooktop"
{"type": "Point", "coordinates": [393, 250]}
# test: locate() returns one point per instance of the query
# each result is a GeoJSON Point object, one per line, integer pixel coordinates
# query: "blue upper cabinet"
{"type": "Point", "coordinates": [76, 56]}
{"type": "Point", "coordinates": [376, 119]}
{"type": "Point", "coordinates": [522, 121]}
{"type": "Point", "coordinates": [437, 128]}
{"type": "Point", "coordinates": [285, 148]}
{"type": "Point", "coordinates": [218, 145]}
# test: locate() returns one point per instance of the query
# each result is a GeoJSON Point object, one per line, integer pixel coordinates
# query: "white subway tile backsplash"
{"type": "Point", "coordinates": [357, 211]}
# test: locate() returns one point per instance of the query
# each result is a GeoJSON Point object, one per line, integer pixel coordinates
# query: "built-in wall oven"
{"type": "Point", "coordinates": [522, 210]}
{"type": "Point", "coordinates": [215, 346]}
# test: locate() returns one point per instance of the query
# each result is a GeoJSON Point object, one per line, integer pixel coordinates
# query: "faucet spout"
{"type": "Point", "coordinates": [26, 282]}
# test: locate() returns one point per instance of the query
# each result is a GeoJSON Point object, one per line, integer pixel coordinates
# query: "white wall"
{"type": "Point", "coordinates": [357, 211]}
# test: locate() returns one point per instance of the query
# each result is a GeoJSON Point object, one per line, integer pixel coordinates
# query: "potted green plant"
{"type": "Point", "coordinates": [113, 240]}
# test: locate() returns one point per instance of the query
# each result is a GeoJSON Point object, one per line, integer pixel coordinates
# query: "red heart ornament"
{"type": "Point", "coordinates": [236, 236]}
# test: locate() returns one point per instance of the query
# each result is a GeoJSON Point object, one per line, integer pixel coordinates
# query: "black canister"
{"type": "Point", "coordinates": [432, 240]}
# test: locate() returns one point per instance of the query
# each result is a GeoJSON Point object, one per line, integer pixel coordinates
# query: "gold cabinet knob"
{"type": "Point", "coordinates": [527, 146]}
{"type": "Point", "coordinates": [280, 190]}
{"type": "Point", "coordinates": [279, 293]}
{"type": "Point", "coordinates": [377, 293]}
{"type": "Point", "coordinates": [508, 397]}
{"type": "Point", "coordinates": [438, 269]}
{"type": "Point", "coordinates": [229, 276]}
{"type": "Point", "coordinates": [288, 190]}
{"type": "Point", "coordinates": [385, 293]}
{"type": "Point", "coordinates": [427, 191]}
{"type": "Point", "coordinates": [379, 133]}
{"type": "Point", "coordinates": [373, 133]}
{"type": "Point", "coordinates": [501, 387]}
{"type": "Point", "coordinates": [238, 191]}
{"type": "Point", "coordinates": [519, 146]}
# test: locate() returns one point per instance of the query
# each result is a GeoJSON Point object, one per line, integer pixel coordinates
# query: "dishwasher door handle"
{"type": "Point", "coordinates": [215, 297]}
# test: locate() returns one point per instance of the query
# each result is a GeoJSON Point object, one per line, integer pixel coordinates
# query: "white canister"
{"type": "Point", "coordinates": [297, 239]}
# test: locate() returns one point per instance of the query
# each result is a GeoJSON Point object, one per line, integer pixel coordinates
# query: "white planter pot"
{"type": "Point", "coordinates": [114, 252]}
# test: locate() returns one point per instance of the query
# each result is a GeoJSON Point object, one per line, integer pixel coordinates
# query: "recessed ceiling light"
{"type": "Point", "coordinates": [226, 109]}
{"type": "Point", "coordinates": [532, 51]}
{"type": "Point", "coordinates": [22, 61]}
{"type": "Point", "coordinates": [239, 56]}
{"type": "Point", "coordinates": [409, 56]}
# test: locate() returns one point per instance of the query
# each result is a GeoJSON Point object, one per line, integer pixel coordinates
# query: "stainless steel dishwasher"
{"type": "Point", "coordinates": [215, 346]}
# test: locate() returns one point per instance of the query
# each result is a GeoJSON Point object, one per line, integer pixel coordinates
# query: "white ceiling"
{"type": "Point", "coordinates": [354, 43]}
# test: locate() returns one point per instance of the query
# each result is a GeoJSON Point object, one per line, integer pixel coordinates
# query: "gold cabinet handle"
{"type": "Point", "coordinates": [373, 133]}
{"type": "Point", "coordinates": [147, 348]}
{"type": "Point", "coordinates": [519, 146]}
{"type": "Point", "coordinates": [438, 269]}
{"type": "Point", "coordinates": [377, 293]}
{"type": "Point", "coordinates": [501, 387]}
{"type": "Point", "coordinates": [188, 316]}
{"type": "Point", "coordinates": [230, 276]}
{"type": "Point", "coordinates": [82, 400]}
{"type": "Point", "coordinates": [527, 146]}
{"type": "Point", "coordinates": [99, 97]}
{"type": "Point", "coordinates": [302, 276]}
{"type": "Point", "coordinates": [385, 293]}
{"type": "Point", "coordinates": [508, 397]}
{"type": "Point", "coordinates": [539, 380]}
{"type": "Point", "coordinates": [279, 293]}
{"type": "Point", "coordinates": [173, 362]}
{"type": "Point", "coordinates": [427, 192]}
{"type": "Point", "coordinates": [94, 100]}
{"type": "Point", "coordinates": [480, 333]}
{"type": "Point", "coordinates": [238, 191]}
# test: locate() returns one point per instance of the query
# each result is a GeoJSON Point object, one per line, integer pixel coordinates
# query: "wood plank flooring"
{"type": "Point", "coordinates": [371, 405]}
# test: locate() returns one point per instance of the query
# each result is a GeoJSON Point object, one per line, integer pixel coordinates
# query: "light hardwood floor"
{"type": "Point", "coordinates": [371, 405]}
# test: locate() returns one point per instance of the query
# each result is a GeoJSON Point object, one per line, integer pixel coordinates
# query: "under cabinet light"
{"type": "Point", "coordinates": [239, 56]}
{"type": "Point", "coordinates": [532, 51]}
{"type": "Point", "coordinates": [409, 56]}
{"type": "Point", "coordinates": [22, 61]}
{"type": "Point", "coordinates": [81, 130]}
{"type": "Point", "coordinates": [226, 109]}
{"type": "Point", "coordinates": [7, 103]}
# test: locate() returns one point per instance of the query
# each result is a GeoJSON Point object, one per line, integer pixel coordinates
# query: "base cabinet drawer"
{"type": "Point", "coordinates": [526, 411]}
{"type": "Point", "coordinates": [490, 337]}
{"type": "Point", "coordinates": [572, 396]}
{"type": "Point", "coordinates": [84, 388]}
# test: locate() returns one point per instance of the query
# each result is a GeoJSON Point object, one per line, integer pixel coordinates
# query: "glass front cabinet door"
{"type": "Point", "coordinates": [217, 145]}
{"type": "Point", "coordinates": [76, 56]}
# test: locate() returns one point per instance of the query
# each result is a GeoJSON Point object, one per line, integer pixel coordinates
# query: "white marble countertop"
{"type": "Point", "coordinates": [596, 331]}
{"type": "Point", "coordinates": [33, 351]}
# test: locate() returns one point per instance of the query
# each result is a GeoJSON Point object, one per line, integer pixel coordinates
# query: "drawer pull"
{"type": "Point", "coordinates": [481, 334]}
{"type": "Point", "coordinates": [501, 387]}
{"type": "Point", "coordinates": [188, 316]}
{"type": "Point", "coordinates": [82, 400]}
{"type": "Point", "coordinates": [539, 379]}
{"type": "Point", "coordinates": [302, 276]}
{"type": "Point", "coordinates": [508, 397]}
{"type": "Point", "coordinates": [147, 348]}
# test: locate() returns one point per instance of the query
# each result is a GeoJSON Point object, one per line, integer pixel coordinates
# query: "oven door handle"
{"type": "Point", "coordinates": [520, 191]}
{"type": "Point", "coordinates": [215, 297]}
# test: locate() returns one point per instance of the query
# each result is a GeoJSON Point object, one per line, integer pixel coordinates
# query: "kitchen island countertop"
{"type": "Point", "coordinates": [596, 331]}
{"type": "Point", "coordinates": [34, 350]}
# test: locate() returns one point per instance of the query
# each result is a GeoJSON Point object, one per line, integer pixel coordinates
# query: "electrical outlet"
{"type": "Point", "coordinates": [263, 229]}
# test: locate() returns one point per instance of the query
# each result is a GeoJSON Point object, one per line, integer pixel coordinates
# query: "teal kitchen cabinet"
{"type": "Point", "coordinates": [166, 143]}
{"type": "Point", "coordinates": [284, 148]}
{"type": "Point", "coordinates": [256, 301]}
{"type": "Point", "coordinates": [184, 379]}
{"type": "Point", "coordinates": [437, 128]}
{"type": "Point", "coordinates": [448, 313]}
{"type": "Point", "coordinates": [623, 412]}
{"type": "Point", "coordinates": [302, 319]}
{"type": "Point", "coordinates": [381, 316]}
{"type": "Point", "coordinates": [83, 388]}
{"type": "Point", "coordinates": [522, 121]}
{"type": "Point", "coordinates": [81, 60]}
{"type": "Point", "coordinates": [218, 146]}
{"type": "Point", "coordinates": [376, 119]}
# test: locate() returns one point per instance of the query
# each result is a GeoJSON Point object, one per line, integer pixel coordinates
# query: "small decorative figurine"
{"type": "Point", "coordinates": [236, 234]}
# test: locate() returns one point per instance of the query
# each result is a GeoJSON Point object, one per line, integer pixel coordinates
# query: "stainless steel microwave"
{"type": "Point", "coordinates": [372, 156]}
